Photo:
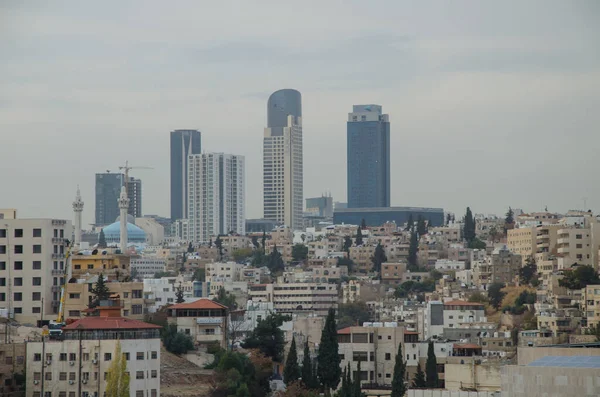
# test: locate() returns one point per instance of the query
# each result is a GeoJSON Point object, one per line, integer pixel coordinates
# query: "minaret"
{"type": "Point", "coordinates": [78, 209]}
{"type": "Point", "coordinates": [123, 207]}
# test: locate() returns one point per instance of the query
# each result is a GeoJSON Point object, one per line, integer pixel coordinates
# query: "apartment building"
{"type": "Point", "coordinates": [579, 244]}
{"type": "Point", "coordinates": [79, 296]}
{"type": "Point", "coordinates": [458, 312]}
{"type": "Point", "coordinates": [451, 233]}
{"type": "Point", "coordinates": [529, 240]}
{"type": "Point", "coordinates": [78, 365]}
{"type": "Point", "coordinates": [147, 267]}
{"type": "Point", "coordinates": [296, 297]}
{"type": "Point", "coordinates": [112, 266]}
{"type": "Point", "coordinates": [204, 320]}
{"type": "Point", "coordinates": [501, 267]}
{"type": "Point", "coordinates": [361, 256]}
{"type": "Point", "coordinates": [393, 273]}
{"type": "Point", "coordinates": [223, 271]}
{"type": "Point", "coordinates": [350, 291]}
{"type": "Point", "coordinates": [32, 262]}
{"type": "Point", "coordinates": [12, 364]}
{"type": "Point", "coordinates": [446, 265]}
{"type": "Point", "coordinates": [559, 322]}
{"type": "Point", "coordinates": [591, 305]}
{"type": "Point", "coordinates": [159, 292]}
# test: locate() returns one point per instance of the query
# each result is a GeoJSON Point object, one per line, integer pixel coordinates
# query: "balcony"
{"type": "Point", "coordinates": [56, 288]}
{"type": "Point", "coordinates": [58, 256]}
{"type": "Point", "coordinates": [58, 240]}
{"type": "Point", "coordinates": [58, 272]}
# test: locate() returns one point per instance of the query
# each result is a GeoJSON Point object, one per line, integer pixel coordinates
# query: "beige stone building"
{"type": "Point", "coordinates": [501, 267]}
{"type": "Point", "coordinates": [392, 273]}
{"type": "Point", "coordinates": [591, 305]}
{"type": "Point", "coordinates": [296, 297]}
{"type": "Point", "coordinates": [12, 362]}
{"type": "Point", "coordinates": [204, 320]}
{"type": "Point", "coordinates": [361, 256]}
{"type": "Point", "coordinates": [112, 266]}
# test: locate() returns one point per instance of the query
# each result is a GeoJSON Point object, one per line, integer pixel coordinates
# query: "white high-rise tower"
{"type": "Point", "coordinates": [123, 207]}
{"type": "Point", "coordinates": [283, 197]}
{"type": "Point", "coordinates": [77, 209]}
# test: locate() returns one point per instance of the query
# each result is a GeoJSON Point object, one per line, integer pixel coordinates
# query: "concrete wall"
{"type": "Point", "coordinates": [481, 377]}
{"type": "Point", "coordinates": [528, 354]}
{"type": "Point", "coordinates": [447, 393]}
{"type": "Point", "coordinates": [522, 381]}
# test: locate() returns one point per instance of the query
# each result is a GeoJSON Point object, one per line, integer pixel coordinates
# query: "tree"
{"type": "Point", "coordinates": [495, 294]}
{"type": "Point", "coordinates": [378, 258]}
{"type": "Point", "coordinates": [421, 226]}
{"type": "Point", "coordinates": [296, 389]}
{"type": "Point", "coordinates": [308, 374]}
{"type": "Point", "coordinates": [102, 239]}
{"type": "Point", "coordinates": [398, 383]}
{"type": "Point", "coordinates": [241, 254]}
{"type": "Point", "coordinates": [343, 261]}
{"type": "Point", "coordinates": [359, 237]}
{"type": "Point", "coordinates": [100, 291]}
{"type": "Point", "coordinates": [291, 371]}
{"type": "Point", "coordinates": [357, 381]}
{"type": "Point", "coordinates": [299, 252]}
{"type": "Point", "coordinates": [579, 276]}
{"type": "Point", "coordinates": [345, 388]}
{"type": "Point", "coordinates": [199, 275]}
{"type": "Point", "coordinates": [275, 261]}
{"type": "Point", "coordinates": [510, 217]}
{"type": "Point", "coordinates": [493, 234]}
{"type": "Point", "coordinates": [176, 342]}
{"type": "Point", "coordinates": [190, 248]}
{"type": "Point", "coordinates": [179, 294]}
{"type": "Point", "coordinates": [268, 337]}
{"type": "Point", "coordinates": [264, 242]}
{"type": "Point", "coordinates": [431, 368]}
{"type": "Point", "coordinates": [226, 299]}
{"type": "Point", "coordinates": [353, 313]}
{"type": "Point", "coordinates": [419, 381]}
{"type": "Point", "coordinates": [410, 223]}
{"type": "Point", "coordinates": [363, 224]}
{"type": "Point", "coordinates": [469, 226]}
{"type": "Point", "coordinates": [219, 245]}
{"type": "Point", "coordinates": [255, 242]}
{"type": "Point", "coordinates": [413, 250]}
{"type": "Point", "coordinates": [329, 359]}
{"type": "Point", "coordinates": [594, 330]}
{"type": "Point", "coordinates": [117, 378]}
{"type": "Point", "coordinates": [476, 243]}
{"type": "Point", "coordinates": [347, 243]}
{"type": "Point", "coordinates": [478, 297]}
{"type": "Point", "coordinates": [528, 272]}
{"type": "Point", "coordinates": [239, 375]}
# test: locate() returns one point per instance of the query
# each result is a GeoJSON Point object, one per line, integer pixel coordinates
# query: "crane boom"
{"type": "Point", "coordinates": [56, 326]}
{"type": "Point", "coordinates": [127, 167]}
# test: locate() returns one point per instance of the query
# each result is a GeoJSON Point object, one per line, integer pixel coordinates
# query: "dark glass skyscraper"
{"type": "Point", "coordinates": [108, 189]}
{"type": "Point", "coordinates": [183, 144]}
{"type": "Point", "coordinates": [368, 161]}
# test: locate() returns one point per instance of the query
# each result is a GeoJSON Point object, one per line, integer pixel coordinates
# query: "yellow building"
{"type": "Point", "coordinates": [591, 305]}
{"type": "Point", "coordinates": [113, 266]}
{"type": "Point", "coordinates": [522, 241]}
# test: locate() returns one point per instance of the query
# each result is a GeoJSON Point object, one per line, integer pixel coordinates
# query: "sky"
{"type": "Point", "coordinates": [492, 104]}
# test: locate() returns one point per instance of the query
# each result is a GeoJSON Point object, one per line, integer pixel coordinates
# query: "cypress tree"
{"type": "Point", "coordinates": [378, 258]}
{"type": "Point", "coordinates": [421, 227]}
{"type": "Point", "coordinates": [344, 391]}
{"type": "Point", "coordinates": [329, 359]}
{"type": "Point", "coordinates": [363, 224]}
{"type": "Point", "coordinates": [356, 386]}
{"type": "Point", "coordinates": [291, 371]}
{"type": "Point", "coordinates": [179, 294]}
{"type": "Point", "coordinates": [413, 249]}
{"type": "Point", "coordinates": [419, 381]}
{"type": "Point", "coordinates": [307, 371]}
{"type": "Point", "coordinates": [409, 223]}
{"type": "Point", "coordinates": [359, 237]}
{"type": "Point", "coordinates": [102, 239]}
{"type": "Point", "coordinates": [469, 226]}
{"type": "Point", "coordinates": [398, 383]}
{"type": "Point", "coordinates": [431, 368]}
{"type": "Point", "coordinates": [100, 291]}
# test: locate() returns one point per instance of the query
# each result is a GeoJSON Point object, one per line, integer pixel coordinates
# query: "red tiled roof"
{"type": "Point", "coordinates": [344, 331]}
{"type": "Point", "coordinates": [466, 346]}
{"type": "Point", "coordinates": [462, 303]}
{"type": "Point", "coordinates": [199, 304]}
{"type": "Point", "coordinates": [91, 323]}
{"type": "Point", "coordinates": [410, 333]}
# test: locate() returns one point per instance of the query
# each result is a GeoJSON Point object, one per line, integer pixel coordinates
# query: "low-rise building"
{"type": "Point", "coordinates": [79, 364]}
{"type": "Point", "coordinates": [12, 368]}
{"type": "Point", "coordinates": [350, 291]}
{"type": "Point", "coordinates": [446, 265]}
{"type": "Point", "coordinates": [362, 257]}
{"type": "Point", "coordinates": [591, 305]}
{"type": "Point", "coordinates": [147, 267]}
{"type": "Point", "coordinates": [220, 271]}
{"type": "Point", "coordinates": [204, 320]}
{"type": "Point", "coordinates": [296, 297]}
{"type": "Point", "coordinates": [113, 266]}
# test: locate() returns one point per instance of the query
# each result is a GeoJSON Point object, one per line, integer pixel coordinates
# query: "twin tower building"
{"type": "Point", "coordinates": [208, 189]}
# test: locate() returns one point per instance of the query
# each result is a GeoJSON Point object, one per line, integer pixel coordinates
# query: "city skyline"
{"type": "Point", "coordinates": [496, 113]}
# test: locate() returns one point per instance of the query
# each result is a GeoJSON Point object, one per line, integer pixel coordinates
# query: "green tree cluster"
{"type": "Point", "coordinates": [199, 275]}
{"type": "Point", "coordinates": [528, 273]}
{"type": "Point", "coordinates": [176, 342]}
{"type": "Point", "coordinates": [226, 299]}
{"type": "Point", "coordinates": [477, 244]}
{"type": "Point", "coordinates": [328, 359]}
{"type": "Point", "coordinates": [419, 381]}
{"type": "Point", "coordinates": [399, 386]}
{"type": "Point", "coordinates": [100, 291]}
{"type": "Point", "coordinates": [421, 226]}
{"type": "Point", "coordinates": [299, 252]}
{"type": "Point", "coordinates": [352, 313]}
{"type": "Point", "coordinates": [346, 262]}
{"type": "Point", "coordinates": [241, 254]}
{"type": "Point", "coordinates": [102, 240]}
{"type": "Point", "coordinates": [359, 237]}
{"type": "Point", "coordinates": [410, 287]}
{"type": "Point", "coordinates": [579, 276]}
{"type": "Point", "coordinates": [432, 380]}
{"type": "Point", "coordinates": [238, 375]}
{"type": "Point", "coordinates": [413, 250]}
{"type": "Point", "coordinates": [275, 261]}
{"type": "Point", "coordinates": [268, 337]}
{"type": "Point", "coordinates": [308, 373]}
{"type": "Point", "coordinates": [347, 243]}
{"type": "Point", "coordinates": [495, 294]}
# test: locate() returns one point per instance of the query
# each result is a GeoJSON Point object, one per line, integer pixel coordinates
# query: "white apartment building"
{"type": "Point", "coordinates": [32, 263]}
{"type": "Point", "coordinates": [147, 267]}
{"type": "Point", "coordinates": [79, 364]}
{"type": "Point", "coordinates": [161, 291]}
{"type": "Point", "coordinates": [216, 202]}
{"type": "Point", "coordinates": [296, 297]}
{"type": "Point", "coordinates": [282, 159]}
{"type": "Point", "coordinates": [579, 243]}
{"type": "Point", "coordinates": [180, 230]}
{"type": "Point", "coordinates": [460, 312]}
{"type": "Point", "coordinates": [223, 271]}
{"type": "Point", "coordinates": [446, 265]}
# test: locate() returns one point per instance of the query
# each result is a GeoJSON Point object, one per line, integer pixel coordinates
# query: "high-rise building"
{"type": "Point", "coordinates": [108, 190]}
{"type": "Point", "coordinates": [282, 159]}
{"type": "Point", "coordinates": [368, 160]}
{"type": "Point", "coordinates": [320, 206]}
{"type": "Point", "coordinates": [184, 143]}
{"type": "Point", "coordinates": [215, 195]}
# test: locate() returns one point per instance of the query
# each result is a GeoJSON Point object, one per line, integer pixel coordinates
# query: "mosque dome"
{"type": "Point", "coordinates": [112, 233]}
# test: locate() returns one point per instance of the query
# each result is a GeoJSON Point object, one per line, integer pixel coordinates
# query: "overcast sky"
{"type": "Point", "coordinates": [491, 103]}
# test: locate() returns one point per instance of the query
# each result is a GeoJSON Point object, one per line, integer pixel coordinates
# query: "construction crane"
{"type": "Point", "coordinates": [126, 168]}
{"type": "Point", "coordinates": [55, 327]}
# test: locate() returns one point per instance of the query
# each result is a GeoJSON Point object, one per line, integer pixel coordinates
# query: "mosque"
{"type": "Point", "coordinates": [135, 235]}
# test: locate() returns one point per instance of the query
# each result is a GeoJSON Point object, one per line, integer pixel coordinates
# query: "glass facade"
{"type": "Point", "coordinates": [379, 216]}
{"type": "Point", "coordinates": [183, 144]}
{"type": "Point", "coordinates": [108, 189]}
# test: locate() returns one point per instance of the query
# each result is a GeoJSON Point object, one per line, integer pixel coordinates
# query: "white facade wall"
{"type": "Point", "coordinates": [224, 271]}
{"type": "Point", "coordinates": [147, 267]}
{"type": "Point", "coordinates": [443, 265]}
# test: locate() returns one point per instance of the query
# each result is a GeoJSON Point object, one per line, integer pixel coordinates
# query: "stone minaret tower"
{"type": "Point", "coordinates": [123, 207]}
{"type": "Point", "coordinates": [77, 209]}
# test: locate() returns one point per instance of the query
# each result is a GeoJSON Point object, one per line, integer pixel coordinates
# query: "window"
{"type": "Point", "coordinates": [388, 356]}
{"type": "Point", "coordinates": [18, 249]}
{"type": "Point", "coordinates": [36, 281]}
{"type": "Point", "coordinates": [579, 246]}
{"type": "Point", "coordinates": [136, 294]}
{"type": "Point", "coordinates": [139, 356]}
{"type": "Point", "coordinates": [48, 376]}
{"type": "Point", "coordinates": [37, 265]}
{"type": "Point", "coordinates": [139, 374]}
{"type": "Point", "coordinates": [388, 375]}
{"type": "Point", "coordinates": [18, 296]}
{"type": "Point", "coordinates": [37, 249]}
{"type": "Point", "coordinates": [62, 394]}
{"type": "Point", "coordinates": [8, 360]}
{"type": "Point", "coordinates": [74, 313]}
{"type": "Point", "coordinates": [2, 282]}
{"type": "Point", "coordinates": [3, 265]}
{"type": "Point", "coordinates": [2, 296]}
{"type": "Point", "coordinates": [62, 376]}
{"type": "Point", "coordinates": [154, 355]}
{"type": "Point", "coordinates": [3, 249]}
{"type": "Point", "coordinates": [107, 356]}
{"type": "Point", "coordinates": [20, 360]}
{"type": "Point", "coordinates": [77, 267]}
{"type": "Point", "coordinates": [153, 374]}
{"type": "Point", "coordinates": [18, 310]}
{"type": "Point", "coordinates": [36, 310]}
{"type": "Point", "coordinates": [136, 309]}
{"type": "Point", "coordinates": [90, 266]}
{"type": "Point", "coordinates": [18, 265]}
{"type": "Point", "coordinates": [71, 375]}
{"type": "Point", "coordinates": [86, 356]}
{"type": "Point", "coordinates": [72, 357]}
{"type": "Point", "coordinates": [37, 232]}
{"type": "Point", "coordinates": [153, 393]}
{"type": "Point", "coordinates": [139, 393]}
{"type": "Point", "coordinates": [18, 233]}
{"type": "Point", "coordinates": [37, 357]}
{"type": "Point", "coordinates": [18, 281]}
{"type": "Point", "coordinates": [37, 376]}
{"type": "Point", "coordinates": [62, 357]}
{"type": "Point", "coordinates": [209, 331]}
{"type": "Point", "coordinates": [2, 233]}
{"type": "Point", "coordinates": [71, 394]}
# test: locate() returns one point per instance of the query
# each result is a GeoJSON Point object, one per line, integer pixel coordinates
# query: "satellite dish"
{"type": "Point", "coordinates": [95, 252]}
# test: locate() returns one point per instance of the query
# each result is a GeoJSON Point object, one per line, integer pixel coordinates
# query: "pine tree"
{"type": "Point", "coordinates": [102, 239]}
{"type": "Point", "coordinates": [329, 359]}
{"type": "Point", "coordinates": [179, 294]}
{"type": "Point", "coordinates": [117, 379]}
{"type": "Point", "coordinates": [419, 381]}
{"type": "Point", "coordinates": [469, 226]}
{"type": "Point", "coordinates": [410, 223]}
{"type": "Point", "coordinates": [413, 249]}
{"type": "Point", "coordinates": [275, 261]}
{"type": "Point", "coordinates": [431, 368]}
{"type": "Point", "coordinates": [359, 237]}
{"type": "Point", "coordinates": [363, 224]}
{"type": "Point", "coordinates": [264, 242]}
{"type": "Point", "coordinates": [357, 381]}
{"type": "Point", "coordinates": [398, 383]}
{"type": "Point", "coordinates": [190, 248]}
{"type": "Point", "coordinates": [510, 216]}
{"type": "Point", "coordinates": [219, 245]}
{"type": "Point", "coordinates": [421, 226]}
{"type": "Point", "coordinates": [378, 258]}
{"type": "Point", "coordinates": [307, 369]}
{"type": "Point", "coordinates": [347, 243]}
{"type": "Point", "coordinates": [100, 291]}
{"type": "Point", "coordinates": [291, 371]}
